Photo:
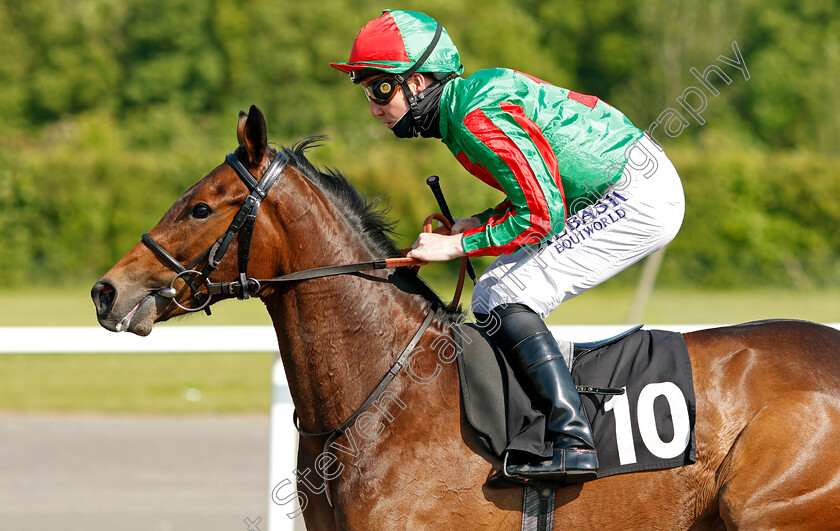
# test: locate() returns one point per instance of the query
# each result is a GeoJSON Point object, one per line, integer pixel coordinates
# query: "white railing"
{"type": "Point", "coordinates": [243, 339]}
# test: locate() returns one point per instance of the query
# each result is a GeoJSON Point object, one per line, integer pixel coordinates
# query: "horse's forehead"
{"type": "Point", "coordinates": [220, 185]}
{"type": "Point", "coordinates": [221, 181]}
{"type": "Point", "coordinates": [216, 185]}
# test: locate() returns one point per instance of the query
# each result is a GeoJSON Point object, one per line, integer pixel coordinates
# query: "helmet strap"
{"type": "Point", "coordinates": [402, 78]}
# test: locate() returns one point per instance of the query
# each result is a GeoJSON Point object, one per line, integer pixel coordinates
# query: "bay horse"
{"type": "Point", "coordinates": [767, 394]}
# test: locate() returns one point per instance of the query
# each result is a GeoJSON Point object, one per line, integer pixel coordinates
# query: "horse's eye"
{"type": "Point", "coordinates": [201, 211]}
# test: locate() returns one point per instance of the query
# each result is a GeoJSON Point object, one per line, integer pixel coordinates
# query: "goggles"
{"type": "Point", "coordinates": [381, 91]}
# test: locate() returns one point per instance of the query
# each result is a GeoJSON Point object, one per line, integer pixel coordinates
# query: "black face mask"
{"type": "Point", "coordinates": [404, 128]}
{"type": "Point", "coordinates": [426, 122]}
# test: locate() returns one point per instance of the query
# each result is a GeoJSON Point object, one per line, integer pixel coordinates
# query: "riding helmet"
{"type": "Point", "coordinates": [396, 43]}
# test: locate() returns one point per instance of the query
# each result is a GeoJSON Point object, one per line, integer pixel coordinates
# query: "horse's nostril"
{"type": "Point", "coordinates": [105, 297]}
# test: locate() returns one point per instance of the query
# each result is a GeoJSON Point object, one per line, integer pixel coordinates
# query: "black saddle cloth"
{"type": "Point", "coordinates": [649, 427]}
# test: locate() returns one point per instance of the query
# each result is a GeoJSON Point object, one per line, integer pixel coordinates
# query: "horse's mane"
{"type": "Point", "coordinates": [372, 223]}
{"type": "Point", "coordinates": [374, 227]}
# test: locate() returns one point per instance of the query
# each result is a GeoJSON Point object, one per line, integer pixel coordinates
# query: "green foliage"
{"type": "Point", "coordinates": [793, 103]}
{"type": "Point", "coordinates": [755, 217]}
{"type": "Point", "coordinates": [78, 198]}
{"type": "Point", "coordinates": [109, 109]}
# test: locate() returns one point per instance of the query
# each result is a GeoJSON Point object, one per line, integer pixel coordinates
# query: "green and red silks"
{"type": "Point", "coordinates": [551, 151]}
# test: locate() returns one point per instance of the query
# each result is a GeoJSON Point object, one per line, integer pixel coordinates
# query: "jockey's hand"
{"type": "Point", "coordinates": [431, 247]}
{"type": "Point", "coordinates": [462, 224]}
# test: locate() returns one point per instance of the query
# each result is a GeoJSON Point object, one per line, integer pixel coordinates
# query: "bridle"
{"type": "Point", "coordinates": [242, 228]}
{"type": "Point", "coordinates": [242, 225]}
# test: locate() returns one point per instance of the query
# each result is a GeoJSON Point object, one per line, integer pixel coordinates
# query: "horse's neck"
{"type": "Point", "coordinates": [338, 335]}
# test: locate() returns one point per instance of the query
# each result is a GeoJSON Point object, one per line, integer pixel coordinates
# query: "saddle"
{"type": "Point", "coordinates": [636, 389]}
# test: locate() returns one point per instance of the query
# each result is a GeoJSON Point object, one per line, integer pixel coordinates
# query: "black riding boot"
{"type": "Point", "coordinates": [528, 345]}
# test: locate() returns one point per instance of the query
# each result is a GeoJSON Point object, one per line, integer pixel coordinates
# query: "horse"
{"type": "Point", "coordinates": [767, 399]}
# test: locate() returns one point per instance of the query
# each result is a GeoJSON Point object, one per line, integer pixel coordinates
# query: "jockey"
{"type": "Point", "coordinates": [587, 195]}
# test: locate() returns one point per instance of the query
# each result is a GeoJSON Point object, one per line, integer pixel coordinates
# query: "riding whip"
{"type": "Point", "coordinates": [434, 184]}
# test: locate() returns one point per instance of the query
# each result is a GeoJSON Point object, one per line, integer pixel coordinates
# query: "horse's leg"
{"type": "Point", "coordinates": [317, 514]}
{"type": "Point", "coordinates": [783, 471]}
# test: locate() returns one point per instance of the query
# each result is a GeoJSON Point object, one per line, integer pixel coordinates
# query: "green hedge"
{"type": "Point", "coordinates": [756, 217]}
{"type": "Point", "coordinates": [110, 109]}
{"type": "Point", "coordinates": [73, 203]}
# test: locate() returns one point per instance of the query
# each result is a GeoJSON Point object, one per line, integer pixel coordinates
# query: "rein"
{"type": "Point", "coordinates": [233, 288]}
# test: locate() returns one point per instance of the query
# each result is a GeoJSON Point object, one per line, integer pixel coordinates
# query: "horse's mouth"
{"type": "Point", "coordinates": [124, 325]}
{"type": "Point", "coordinates": [138, 320]}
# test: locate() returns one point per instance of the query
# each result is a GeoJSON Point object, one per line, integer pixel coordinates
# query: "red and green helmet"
{"type": "Point", "coordinates": [400, 42]}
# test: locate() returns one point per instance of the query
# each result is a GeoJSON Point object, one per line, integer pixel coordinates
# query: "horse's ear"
{"type": "Point", "coordinates": [240, 127]}
{"type": "Point", "coordinates": [256, 139]}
